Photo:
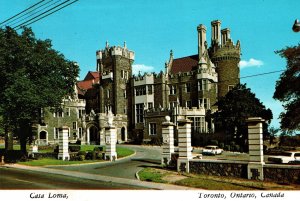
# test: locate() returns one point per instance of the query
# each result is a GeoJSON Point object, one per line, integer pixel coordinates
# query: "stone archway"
{"type": "Point", "coordinates": [93, 136]}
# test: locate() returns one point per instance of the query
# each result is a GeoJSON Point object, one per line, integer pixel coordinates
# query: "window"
{"type": "Point", "coordinates": [124, 74]}
{"type": "Point", "coordinates": [172, 90]}
{"type": "Point", "coordinates": [188, 87]}
{"type": "Point", "coordinates": [68, 112]}
{"type": "Point", "coordinates": [152, 127]}
{"type": "Point", "coordinates": [140, 90]}
{"type": "Point", "coordinates": [125, 94]}
{"type": "Point", "coordinates": [204, 102]}
{"type": "Point", "coordinates": [150, 91]}
{"type": "Point", "coordinates": [81, 112]}
{"type": "Point", "coordinates": [75, 125]}
{"type": "Point", "coordinates": [139, 112]}
{"type": "Point", "coordinates": [189, 104]}
{"type": "Point", "coordinates": [203, 85]}
{"type": "Point", "coordinates": [58, 114]}
{"type": "Point", "coordinates": [198, 124]}
{"type": "Point", "coordinates": [80, 132]}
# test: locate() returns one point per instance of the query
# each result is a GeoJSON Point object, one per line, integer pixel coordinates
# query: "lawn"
{"type": "Point", "coordinates": [121, 152]}
{"type": "Point", "coordinates": [208, 182]}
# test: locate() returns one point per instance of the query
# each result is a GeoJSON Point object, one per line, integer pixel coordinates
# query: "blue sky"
{"type": "Point", "coordinates": [151, 28]}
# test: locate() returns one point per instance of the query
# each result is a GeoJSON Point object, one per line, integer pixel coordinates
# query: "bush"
{"type": "Point", "coordinates": [14, 156]}
{"type": "Point", "coordinates": [98, 149]}
{"type": "Point", "coordinates": [221, 145]}
{"type": "Point", "coordinates": [74, 148]}
{"type": "Point", "coordinates": [91, 155]}
{"type": "Point", "coordinates": [83, 153]}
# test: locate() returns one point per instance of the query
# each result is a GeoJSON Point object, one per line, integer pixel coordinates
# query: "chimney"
{"type": "Point", "coordinates": [225, 35]}
{"type": "Point", "coordinates": [201, 40]}
{"type": "Point", "coordinates": [216, 31]}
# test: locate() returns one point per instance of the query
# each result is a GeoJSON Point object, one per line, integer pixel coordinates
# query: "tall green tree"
{"type": "Point", "coordinates": [288, 89]}
{"type": "Point", "coordinates": [233, 110]}
{"type": "Point", "coordinates": [33, 76]}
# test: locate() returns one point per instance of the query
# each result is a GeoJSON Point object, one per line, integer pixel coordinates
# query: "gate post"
{"type": "Point", "coordinates": [184, 144]}
{"type": "Point", "coordinates": [63, 153]}
{"type": "Point", "coordinates": [110, 139]}
{"type": "Point", "coordinates": [256, 155]}
{"type": "Point", "coordinates": [168, 141]}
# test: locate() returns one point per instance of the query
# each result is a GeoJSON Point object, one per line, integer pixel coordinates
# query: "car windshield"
{"type": "Point", "coordinates": [209, 147]}
{"type": "Point", "coordinates": [286, 154]}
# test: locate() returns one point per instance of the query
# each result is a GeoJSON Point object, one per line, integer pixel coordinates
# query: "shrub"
{"type": "Point", "coordinates": [91, 155]}
{"type": "Point", "coordinates": [13, 156]}
{"type": "Point", "coordinates": [221, 145]}
{"type": "Point", "coordinates": [98, 149]}
{"type": "Point", "coordinates": [82, 153]}
{"type": "Point", "coordinates": [74, 148]}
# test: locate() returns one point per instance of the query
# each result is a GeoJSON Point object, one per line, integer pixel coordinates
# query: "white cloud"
{"type": "Point", "coordinates": [251, 63]}
{"type": "Point", "coordinates": [142, 68]}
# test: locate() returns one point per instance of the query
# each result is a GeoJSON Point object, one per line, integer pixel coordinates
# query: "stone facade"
{"type": "Point", "coordinates": [188, 88]}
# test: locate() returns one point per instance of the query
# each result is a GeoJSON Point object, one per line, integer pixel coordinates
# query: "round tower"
{"type": "Point", "coordinates": [226, 57]}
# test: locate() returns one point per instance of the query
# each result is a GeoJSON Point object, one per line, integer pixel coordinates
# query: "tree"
{"type": "Point", "coordinates": [233, 110]}
{"type": "Point", "coordinates": [287, 88]}
{"type": "Point", "coordinates": [33, 76]}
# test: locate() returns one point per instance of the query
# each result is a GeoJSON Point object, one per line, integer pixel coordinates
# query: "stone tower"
{"type": "Point", "coordinates": [114, 65]}
{"type": "Point", "coordinates": [226, 57]}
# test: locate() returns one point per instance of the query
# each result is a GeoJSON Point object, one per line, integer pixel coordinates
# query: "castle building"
{"type": "Point", "coordinates": [189, 87]}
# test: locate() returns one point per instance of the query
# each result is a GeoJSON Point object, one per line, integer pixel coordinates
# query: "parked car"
{"type": "Point", "coordinates": [295, 162]}
{"type": "Point", "coordinates": [212, 150]}
{"type": "Point", "coordinates": [285, 157]}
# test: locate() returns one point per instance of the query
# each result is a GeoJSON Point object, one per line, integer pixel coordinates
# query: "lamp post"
{"type": "Point", "coordinates": [296, 26]}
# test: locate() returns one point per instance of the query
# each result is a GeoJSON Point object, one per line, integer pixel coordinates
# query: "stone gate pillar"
{"type": "Point", "coordinates": [184, 144]}
{"type": "Point", "coordinates": [63, 144]}
{"type": "Point", "coordinates": [256, 156]}
{"type": "Point", "coordinates": [110, 139]}
{"type": "Point", "coordinates": [168, 141]}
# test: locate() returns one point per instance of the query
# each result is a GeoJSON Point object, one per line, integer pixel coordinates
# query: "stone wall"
{"type": "Point", "coordinates": [282, 174]}
{"type": "Point", "coordinates": [219, 168]}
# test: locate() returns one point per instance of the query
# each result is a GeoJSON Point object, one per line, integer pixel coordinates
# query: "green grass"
{"type": "Point", "coordinates": [210, 182]}
{"type": "Point", "coordinates": [121, 151]}
{"type": "Point", "coordinates": [149, 174]}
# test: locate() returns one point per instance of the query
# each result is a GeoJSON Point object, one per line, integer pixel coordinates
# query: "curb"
{"type": "Point", "coordinates": [137, 175]}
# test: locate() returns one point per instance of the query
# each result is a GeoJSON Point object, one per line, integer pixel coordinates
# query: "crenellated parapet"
{"type": "Point", "coordinates": [227, 51]}
{"type": "Point", "coordinates": [115, 51]}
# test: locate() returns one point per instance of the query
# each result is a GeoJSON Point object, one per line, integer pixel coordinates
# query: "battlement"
{"type": "Point", "coordinates": [115, 51]}
{"type": "Point", "coordinates": [147, 78]}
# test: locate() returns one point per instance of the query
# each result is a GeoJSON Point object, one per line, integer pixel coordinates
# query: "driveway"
{"type": "Point", "coordinates": [146, 156]}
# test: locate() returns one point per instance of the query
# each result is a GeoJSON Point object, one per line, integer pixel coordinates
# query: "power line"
{"type": "Point", "coordinates": [21, 12]}
{"type": "Point", "coordinates": [27, 14]}
{"type": "Point", "coordinates": [25, 23]}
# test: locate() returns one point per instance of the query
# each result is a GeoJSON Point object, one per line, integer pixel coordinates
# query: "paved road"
{"type": "Point", "coordinates": [145, 156]}
{"type": "Point", "coordinates": [12, 178]}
